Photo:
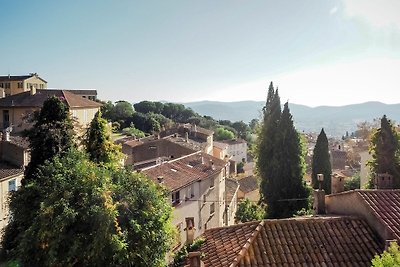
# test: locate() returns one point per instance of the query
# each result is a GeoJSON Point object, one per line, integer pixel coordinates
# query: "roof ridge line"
{"type": "Point", "coordinates": [247, 244]}
{"type": "Point", "coordinates": [66, 100]}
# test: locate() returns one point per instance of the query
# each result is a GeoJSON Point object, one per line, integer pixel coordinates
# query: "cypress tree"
{"type": "Point", "coordinates": [321, 163]}
{"type": "Point", "coordinates": [280, 161]}
{"type": "Point", "coordinates": [98, 143]}
{"type": "Point", "coordinates": [384, 149]}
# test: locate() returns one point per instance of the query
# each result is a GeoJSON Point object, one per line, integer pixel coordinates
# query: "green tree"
{"type": "Point", "coordinates": [122, 111]}
{"type": "Point", "coordinates": [321, 163]}
{"type": "Point", "coordinates": [51, 135]}
{"type": "Point", "coordinates": [91, 215]}
{"type": "Point", "coordinates": [222, 134]}
{"type": "Point", "coordinates": [280, 161]}
{"type": "Point", "coordinates": [241, 128]}
{"type": "Point", "coordinates": [385, 151]}
{"type": "Point", "coordinates": [388, 258]}
{"type": "Point", "coordinates": [98, 143]}
{"type": "Point", "coordinates": [247, 211]}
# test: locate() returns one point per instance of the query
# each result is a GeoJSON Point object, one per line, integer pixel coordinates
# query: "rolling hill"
{"type": "Point", "coordinates": [335, 120]}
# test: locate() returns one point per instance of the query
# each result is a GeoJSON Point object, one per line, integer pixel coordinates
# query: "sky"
{"type": "Point", "coordinates": [329, 52]}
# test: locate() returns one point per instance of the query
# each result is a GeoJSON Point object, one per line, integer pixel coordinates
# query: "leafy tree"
{"type": "Point", "coordinates": [241, 128]}
{"type": "Point", "coordinates": [223, 134]}
{"type": "Point", "coordinates": [247, 211]}
{"type": "Point", "coordinates": [132, 131]}
{"type": "Point", "coordinates": [145, 107]}
{"type": "Point", "coordinates": [384, 148]}
{"type": "Point", "coordinates": [95, 216]}
{"type": "Point", "coordinates": [388, 258]}
{"type": "Point", "coordinates": [98, 143]}
{"type": "Point", "coordinates": [280, 161]}
{"type": "Point", "coordinates": [145, 122]}
{"type": "Point", "coordinates": [253, 125]}
{"type": "Point", "coordinates": [107, 110]}
{"type": "Point", "coordinates": [122, 111]}
{"type": "Point", "coordinates": [51, 136]}
{"type": "Point", "coordinates": [240, 167]}
{"type": "Point", "coordinates": [352, 183]}
{"type": "Point", "coordinates": [321, 163]}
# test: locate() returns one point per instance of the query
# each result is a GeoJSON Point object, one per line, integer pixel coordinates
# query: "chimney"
{"type": "Point", "coordinates": [194, 259]}
{"type": "Point", "coordinates": [160, 179]}
{"type": "Point", "coordinates": [6, 136]}
{"type": "Point", "coordinates": [33, 90]}
{"type": "Point", "coordinates": [337, 184]}
{"type": "Point", "coordinates": [2, 93]}
{"type": "Point", "coordinates": [383, 181]}
{"type": "Point", "coordinates": [212, 165]}
{"type": "Point", "coordinates": [202, 159]}
{"type": "Point", "coordinates": [319, 197]}
{"type": "Point", "coordinates": [190, 229]}
{"type": "Point", "coordinates": [186, 137]}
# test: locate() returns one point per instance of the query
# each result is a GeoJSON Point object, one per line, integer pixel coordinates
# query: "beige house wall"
{"type": "Point", "coordinates": [4, 195]}
{"type": "Point", "coordinates": [18, 117]}
{"type": "Point", "coordinates": [16, 87]}
{"type": "Point", "coordinates": [199, 206]}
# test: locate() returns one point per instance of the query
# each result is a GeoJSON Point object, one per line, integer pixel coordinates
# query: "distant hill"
{"type": "Point", "coordinates": [335, 120]}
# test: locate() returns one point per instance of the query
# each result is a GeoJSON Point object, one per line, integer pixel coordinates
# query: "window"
{"type": "Point", "coordinates": [212, 209]}
{"type": "Point", "coordinates": [6, 118]}
{"type": "Point", "coordinates": [20, 85]}
{"type": "Point", "coordinates": [190, 192]}
{"type": "Point", "coordinates": [212, 183]}
{"type": "Point", "coordinates": [176, 198]}
{"type": "Point", "coordinates": [11, 185]}
{"type": "Point", "coordinates": [7, 86]}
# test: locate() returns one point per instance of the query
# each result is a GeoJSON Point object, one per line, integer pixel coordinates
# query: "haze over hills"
{"type": "Point", "coordinates": [335, 120]}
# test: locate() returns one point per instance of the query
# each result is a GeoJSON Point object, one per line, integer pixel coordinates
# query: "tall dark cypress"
{"type": "Point", "coordinates": [321, 162]}
{"type": "Point", "coordinates": [280, 161]}
{"type": "Point", "coordinates": [385, 151]}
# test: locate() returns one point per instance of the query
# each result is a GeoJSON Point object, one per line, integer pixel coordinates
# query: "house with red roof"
{"type": "Point", "coordinates": [197, 186]}
{"type": "Point", "coordinates": [16, 109]}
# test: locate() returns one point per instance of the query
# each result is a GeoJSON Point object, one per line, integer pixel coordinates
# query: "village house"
{"type": "Point", "coordinates": [249, 188]}
{"type": "Point", "coordinates": [197, 185]}
{"type": "Point", "coordinates": [14, 156]}
{"type": "Point", "coordinates": [237, 149]}
{"type": "Point", "coordinates": [15, 109]}
{"type": "Point", "coordinates": [11, 85]}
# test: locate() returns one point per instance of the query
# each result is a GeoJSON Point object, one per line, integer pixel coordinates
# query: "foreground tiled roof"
{"type": "Point", "coordinates": [315, 241]}
{"type": "Point", "coordinates": [385, 204]}
{"type": "Point", "coordinates": [25, 99]}
{"type": "Point", "coordinates": [186, 170]}
{"type": "Point", "coordinates": [248, 184]}
{"type": "Point", "coordinates": [7, 170]}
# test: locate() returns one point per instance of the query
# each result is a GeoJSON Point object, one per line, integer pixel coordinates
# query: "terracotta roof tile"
{"type": "Point", "coordinates": [248, 184]}
{"type": "Point", "coordinates": [25, 99]}
{"type": "Point", "coordinates": [7, 170]}
{"type": "Point", "coordinates": [313, 241]}
{"type": "Point", "coordinates": [385, 204]}
{"type": "Point", "coordinates": [185, 170]}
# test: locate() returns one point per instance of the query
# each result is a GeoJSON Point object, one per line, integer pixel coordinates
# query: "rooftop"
{"type": "Point", "coordinates": [233, 141]}
{"type": "Point", "coordinates": [311, 241]}
{"type": "Point", "coordinates": [186, 170]}
{"type": "Point", "coordinates": [11, 78]}
{"type": "Point", "coordinates": [248, 184]}
{"type": "Point", "coordinates": [7, 170]}
{"type": "Point", "coordinates": [25, 99]}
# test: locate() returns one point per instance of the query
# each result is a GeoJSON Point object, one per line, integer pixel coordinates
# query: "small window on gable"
{"type": "Point", "coordinates": [176, 198]}
{"type": "Point", "coordinates": [12, 185]}
{"type": "Point", "coordinates": [212, 183]}
{"type": "Point", "coordinates": [212, 208]}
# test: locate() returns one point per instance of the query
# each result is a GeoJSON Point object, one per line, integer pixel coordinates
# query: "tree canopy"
{"type": "Point", "coordinates": [247, 211]}
{"type": "Point", "coordinates": [280, 160]}
{"type": "Point", "coordinates": [321, 163]}
{"type": "Point", "coordinates": [385, 151]}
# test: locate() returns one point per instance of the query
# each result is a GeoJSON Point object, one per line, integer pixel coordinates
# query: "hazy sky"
{"type": "Point", "coordinates": [318, 52]}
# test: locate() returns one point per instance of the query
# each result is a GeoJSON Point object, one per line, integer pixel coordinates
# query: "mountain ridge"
{"type": "Point", "coordinates": [336, 120]}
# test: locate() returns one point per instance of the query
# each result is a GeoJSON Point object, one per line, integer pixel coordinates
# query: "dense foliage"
{"type": "Point", "coordinates": [247, 211]}
{"type": "Point", "coordinates": [385, 151]}
{"type": "Point", "coordinates": [388, 258]}
{"type": "Point", "coordinates": [280, 160]}
{"type": "Point", "coordinates": [82, 209]}
{"type": "Point", "coordinates": [321, 163]}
